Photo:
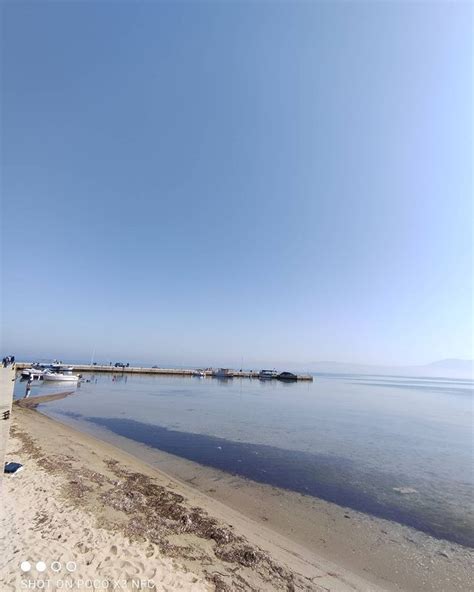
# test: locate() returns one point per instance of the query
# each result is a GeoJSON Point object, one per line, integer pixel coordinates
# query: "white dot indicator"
{"type": "Point", "coordinates": [41, 566]}
{"type": "Point", "coordinates": [25, 566]}
{"type": "Point", "coordinates": [56, 566]}
{"type": "Point", "coordinates": [71, 566]}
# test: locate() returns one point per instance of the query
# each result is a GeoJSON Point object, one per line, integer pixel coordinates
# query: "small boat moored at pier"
{"type": "Point", "coordinates": [60, 377]}
{"type": "Point", "coordinates": [223, 373]}
{"type": "Point", "coordinates": [287, 376]}
{"type": "Point", "coordinates": [62, 368]}
{"type": "Point", "coordinates": [32, 373]}
{"type": "Point", "coordinates": [38, 369]}
{"type": "Point", "coordinates": [267, 374]}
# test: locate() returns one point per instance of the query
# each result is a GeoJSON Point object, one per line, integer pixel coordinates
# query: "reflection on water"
{"type": "Point", "coordinates": [395, 447]}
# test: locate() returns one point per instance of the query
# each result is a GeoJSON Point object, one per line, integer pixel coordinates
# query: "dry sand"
{"type": "Point", "coordinates": [121, 520]}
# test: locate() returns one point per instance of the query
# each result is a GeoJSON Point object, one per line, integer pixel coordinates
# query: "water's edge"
{"type": "Point", "coordinates": [317, 475]}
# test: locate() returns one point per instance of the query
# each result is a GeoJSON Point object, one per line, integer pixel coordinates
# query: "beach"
{"type": "Point", "coordinates": [122, 520]}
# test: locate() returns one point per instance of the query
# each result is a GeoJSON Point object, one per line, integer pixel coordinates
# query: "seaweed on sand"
{"type": "Point", "coordinates": [151, 512]}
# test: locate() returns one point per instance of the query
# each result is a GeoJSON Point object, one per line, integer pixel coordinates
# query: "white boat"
{"type": "Point", "coordinates": [267, 374]}
{"type": "Point", "coordinates": [32, 373]}
{"type": "Point", "coordinates": [37, 370]}
{"type": "Point", "coordinates": [199, 373]}
{"type": "Point", "coordinates": [223, 373]}
{"type": "Point", "coordinates": [61, 368]}
{"type": "Point", "coordinates": [59, 377]}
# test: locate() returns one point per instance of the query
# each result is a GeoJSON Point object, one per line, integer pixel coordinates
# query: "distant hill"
{"type": "Point", "coordinates": [449, 368]}
{"type": "Point", "coordinates": [454, 364]}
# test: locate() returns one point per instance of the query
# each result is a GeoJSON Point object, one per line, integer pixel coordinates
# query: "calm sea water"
{"type": "Point", "coordinates": [396, 447]}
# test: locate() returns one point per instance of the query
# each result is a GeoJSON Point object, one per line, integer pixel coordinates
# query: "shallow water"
{"type": "Point", "coordinates": [396, 447]}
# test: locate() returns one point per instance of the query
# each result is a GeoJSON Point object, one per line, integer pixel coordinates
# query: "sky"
{"type": "Point", "coordinates": [237, 182]}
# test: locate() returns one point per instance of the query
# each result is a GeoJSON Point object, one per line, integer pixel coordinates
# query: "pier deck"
{"type": "Point", "coordinates": [159, 371]}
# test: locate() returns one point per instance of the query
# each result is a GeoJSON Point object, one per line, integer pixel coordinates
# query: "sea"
{"type": "Point", "coordinates": [396, 447]}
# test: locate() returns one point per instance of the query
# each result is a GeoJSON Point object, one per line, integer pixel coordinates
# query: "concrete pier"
{"type": "Point", "coordinates": [7, 382]}
{"type": "Point", "coordinates": [159, 371]}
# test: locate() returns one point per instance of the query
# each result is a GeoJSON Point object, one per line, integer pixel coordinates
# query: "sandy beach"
{"type": "Point", "coordinates": [130, 523]}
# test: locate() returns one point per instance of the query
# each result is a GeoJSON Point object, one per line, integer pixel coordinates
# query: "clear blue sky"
{"type": "Point", "coordinates": [201, 182]}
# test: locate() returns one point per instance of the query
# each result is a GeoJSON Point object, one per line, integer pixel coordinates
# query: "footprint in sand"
{"type": "Point", "coordinates": [89, 559]}
{"type": "Point", "coordinates": [130, 569]}
{"type": "Point", "coordinates": [150, 574]}
{"type": "Point", "coordinates": [113, 549]}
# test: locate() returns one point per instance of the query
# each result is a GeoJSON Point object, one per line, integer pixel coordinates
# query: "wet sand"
{"type": "Point", "coordinates": [199, 524]}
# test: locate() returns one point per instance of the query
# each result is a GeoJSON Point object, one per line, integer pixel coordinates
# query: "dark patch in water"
{"type": "Point", "coordinates": [331, 478]}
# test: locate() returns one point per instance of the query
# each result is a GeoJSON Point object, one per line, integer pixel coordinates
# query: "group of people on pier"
{"type": "Point", "coordinates": [7, 360]}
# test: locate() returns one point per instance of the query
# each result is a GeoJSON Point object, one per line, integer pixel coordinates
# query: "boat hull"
{"type": "Point", "coordinates": [61, 378]}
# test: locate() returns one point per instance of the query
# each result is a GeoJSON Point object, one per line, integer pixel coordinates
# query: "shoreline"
{"type": "Point", "coordinates": [308, 537]}
{"type": "Point", "coordinates": [395, 556]}
{"type": "Point", "coordinates": [288, 470]}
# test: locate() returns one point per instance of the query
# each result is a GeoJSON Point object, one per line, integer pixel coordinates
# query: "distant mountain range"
{"type": "Point", "coordinates": [449, 368]}
{"type": "Point", "coordinates": [454, 364]}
